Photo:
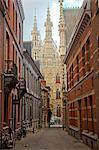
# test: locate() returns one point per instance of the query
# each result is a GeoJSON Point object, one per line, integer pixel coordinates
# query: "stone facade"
{"type": "Point", "coordinates": [49, 64]}
{"type": "Point", "coordinates": [82, 75]}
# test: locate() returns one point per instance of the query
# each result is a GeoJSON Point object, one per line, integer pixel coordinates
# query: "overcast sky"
{"type": "Point", "coordinates": [41, 12]}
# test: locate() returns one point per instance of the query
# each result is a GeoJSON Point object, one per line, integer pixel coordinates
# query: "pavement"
{"type": "Point", "coordinates": [50, 139]}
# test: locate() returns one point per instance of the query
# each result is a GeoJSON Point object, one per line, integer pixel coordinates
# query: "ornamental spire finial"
{"type": "Point", "coordinates": [48, 25]}
{"type": "Point", "coordinates": [61, 11]}
{"type": "Point", "coordinates": [35, 21]}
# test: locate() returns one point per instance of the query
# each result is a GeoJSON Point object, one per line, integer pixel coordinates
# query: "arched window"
{"type": "Point", "coordinates": [57, 78]}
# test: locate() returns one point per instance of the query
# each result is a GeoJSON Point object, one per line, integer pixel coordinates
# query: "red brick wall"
{"type": "Point", "coordinates": [1, 61]}
{"type": "Point", "coordinates": [85, 88]}
{"type": "Point", "coordinates": [10, 29]}
{"type": "Point", "coordinates": [95, 48]}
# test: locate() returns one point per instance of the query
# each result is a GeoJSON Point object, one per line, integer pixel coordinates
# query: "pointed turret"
{"type": "Point", "coordinates": [62, 29]}
{"type": "Point", "coordinates": [48, 25]}
{"type": "Point", "coordinates": [36, 42]}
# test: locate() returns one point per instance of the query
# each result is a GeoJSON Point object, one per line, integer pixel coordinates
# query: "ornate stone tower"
{"type": "Point", "coordinates": [36, 41]}
{"type": "Point", "coordinates": [62, 48]}
{"type": "Point", "coordinates": [48, 25]}
{"type": "Point", "coordinates": [50, 67]}
{"type": "Point", "coordinates": [62, 30]}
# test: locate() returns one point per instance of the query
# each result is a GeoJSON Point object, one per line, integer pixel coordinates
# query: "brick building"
{"type": "Point", "coordinates": [2, 47]}
{"type": "Point", "coordinates": [82, 64]}
{"type": "Point", "coordinates": [11, 62]}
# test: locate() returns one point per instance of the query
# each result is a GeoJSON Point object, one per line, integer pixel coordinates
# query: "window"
{"type": "Point", "coordinates": [19, 34]}
{"type": "Point", "coordinates": [72, 74]}
{"type": "Point", "coordinates": [92, 113]}
{"type": "Point", "coordinates": [97, 4]}
{"type": "Point", "coordinates": [35, 55]}
{"type": "Point", "coordinates": [57, 78]}
{"type": "Point", "coordinates": [19, 68]}
{"type": "Point", "coordinates": [16, 57]}
{"type": "Point", "coordinates": [6, 109]}
{"type": "Point", "coordinates": [35, 41]}
{"type": "Point", "coordinates": [67, 81]}
{"type": "Point", "coordinates": [27, 77]}
{"type": "Point", "coordinates": [80, 112]}
{"type": "Point", "coordinates": [58, 111]}
{"type": "Point", "coordinates": [83, 59]}
{"type": "Point", "coordinates": [98, 40]}
{"type": "Point", "coordinates": [8, 5]}
{"type": "Point", "coordinates": [6, 2]}
{"type": "Point", "coordinates": [83, 55]}
{"type": "Point", "coordinates": [13, 16]}
{"type": "Point", "coordinates": [97, 7]}
{"type": "Point", "coordinates": [7, 46]}
{"type": "Point", "coordinates": [57, 94]}
{"type": "Point", "coordinates": [77, 60]}
{"type": "Point", "coordinates": [86, 112]}
{"type": "Point", "coordinates": [24, 109]}
{"type": "Point", "coordinates": [13, 53]}
{"type": "Point", "coordinates": [16, 23]}
{"type": "Point", "coordinates": [24, 71]}
{"type": "Point", "coordinates": [19, 112]}
{"type": "Point", "coordinates": [88, 48]}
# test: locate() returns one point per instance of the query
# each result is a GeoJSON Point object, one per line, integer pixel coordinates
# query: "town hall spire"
{"type": "Point", "coordinates": [48, 25]}
{"type": "Point", "coordinates": [62, 30]}
{"type": "Point", "coordinates": [36, 42]}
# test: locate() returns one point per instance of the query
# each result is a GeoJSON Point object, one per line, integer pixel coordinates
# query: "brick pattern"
{"type": "Point", "coordinates": [82, 64]}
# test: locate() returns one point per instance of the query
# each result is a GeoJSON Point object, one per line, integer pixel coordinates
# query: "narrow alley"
{"type": "Point", "coordinates": [50, 139]}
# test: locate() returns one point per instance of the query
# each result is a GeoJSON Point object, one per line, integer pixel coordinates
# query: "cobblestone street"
{"type": "Point", "coordinates": [50, 139]}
